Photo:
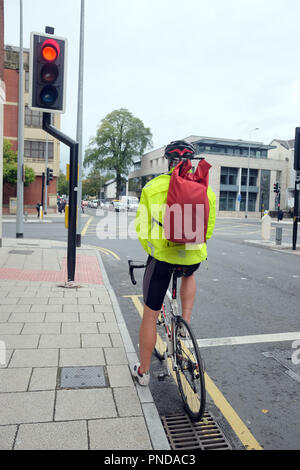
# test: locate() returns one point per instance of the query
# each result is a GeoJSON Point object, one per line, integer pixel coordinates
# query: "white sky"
{"type": "Point", "coordinates": [185, 67]}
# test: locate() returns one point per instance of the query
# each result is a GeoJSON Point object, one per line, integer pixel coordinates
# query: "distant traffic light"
{"type": "Point", "coordinates": [47, 73]}
{"type": "Point", "coordinates": [49, 175]}
{"type": "Point", "coordinates": [276, 188]}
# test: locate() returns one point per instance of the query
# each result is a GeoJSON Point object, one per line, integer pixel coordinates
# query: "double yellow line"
{"type": "Point", "coordinates": [103, 250]}
{"type": "Point", "coordinates": [238, 426]}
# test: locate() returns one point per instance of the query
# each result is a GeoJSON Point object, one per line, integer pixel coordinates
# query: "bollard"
{"type": "Point", "coordinates": [278, 235]}
{"type": "Point", "coordinates": [67, 216]}
{"type": "Point", "coordinates": [266, 227]}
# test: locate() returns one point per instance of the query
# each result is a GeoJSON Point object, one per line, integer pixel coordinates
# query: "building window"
{"type": "Point", "coordinates": [36, 150]}
{"type": "Point", "coordinates": [228, 175]}
{"type": "Point", "coordinates": [35, 118]}
{"type": "Point", "coordinates": [227, 200]}
{"type": "Point", "coordinates": [252, 177]}
{"type": "Point", "coordinates": [251, 201]}
{"type": "Point", "coordinates": [27, 82]}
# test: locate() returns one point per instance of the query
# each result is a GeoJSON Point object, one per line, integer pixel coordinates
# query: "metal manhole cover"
{"type": "Point", "coordinates": [20, 252]}
{"type": "Point", "coordinates": [182, 433]}
{"type": "Point", "coordinates": [83, 377]}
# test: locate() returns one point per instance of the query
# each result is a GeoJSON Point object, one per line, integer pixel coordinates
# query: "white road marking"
{"type": "Point", "coordinates": [231, 341]}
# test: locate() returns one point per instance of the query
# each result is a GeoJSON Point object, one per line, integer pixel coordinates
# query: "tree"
{"type": "Point", "coordinates": [10, 166]}
{"type": "Point", "coordinates": [120, 137]}
{"type": "Point", "coordinates": [62, 184]}
{"type": "Point", "coordinates": [92, 184]}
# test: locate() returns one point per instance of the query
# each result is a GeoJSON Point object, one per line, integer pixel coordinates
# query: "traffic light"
{"type": "Point", "coordinates": [49, 175]}
{"type": "Point", "coordinates": [47, 73]}
{"type": "Point", "coordinates": [276, 188]}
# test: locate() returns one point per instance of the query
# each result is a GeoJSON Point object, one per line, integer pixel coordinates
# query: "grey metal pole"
{"type": "Point", "coordinates": [20, 170]}
{"type": "Point", "coordinates": [247, 193]}
{"type": "Point", "coordinates": [46, 186]}
{"type": "Point", "coordinates": [79, 123]}
{"type": "Point", "coordinates": [248, 171]}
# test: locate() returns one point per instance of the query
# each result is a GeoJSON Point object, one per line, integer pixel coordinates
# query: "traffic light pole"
{"type": "Point", "coordinates": [43, 189]}
{"type": "Point", "coordinates": [73, 188]}
{"type": "Point", "coordinates": [296, 212]}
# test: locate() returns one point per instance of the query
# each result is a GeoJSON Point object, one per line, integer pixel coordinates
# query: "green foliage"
{"type": "Point", "coordinates": [93, 182]}
{"type": "Point", "coordinates": [62, 184]}
{"type": "Point", "coordinates": [120, 137]}
{"type": "Point", "coordinates": [10, 166]}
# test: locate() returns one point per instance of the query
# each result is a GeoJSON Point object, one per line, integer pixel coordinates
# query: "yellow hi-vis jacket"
{"type": "Point", "coordinates": [150, 230]}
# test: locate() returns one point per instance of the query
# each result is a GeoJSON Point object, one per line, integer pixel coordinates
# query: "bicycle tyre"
{"type": "Point", "coordinates": [190, 372]}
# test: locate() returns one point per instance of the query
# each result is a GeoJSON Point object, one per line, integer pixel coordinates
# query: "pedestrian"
{"type": "Point", "coordinates": [82, 207]}
{"type": "Point", "coordinates": [38, 206]}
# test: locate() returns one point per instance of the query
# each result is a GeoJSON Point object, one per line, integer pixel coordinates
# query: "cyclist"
{"type": "Point", "coordinates": [162, 254]}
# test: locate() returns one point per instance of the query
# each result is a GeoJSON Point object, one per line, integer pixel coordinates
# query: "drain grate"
{"type": "Point", "coordinates": [83, 377]}
{"type": "Point", "coordinates": [182, 433]}
{"type": "Point", "coordinates": [20, 252]}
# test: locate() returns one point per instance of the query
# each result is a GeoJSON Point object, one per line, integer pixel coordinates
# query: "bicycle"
{"type": "Point", "coordinates": [180, 352]}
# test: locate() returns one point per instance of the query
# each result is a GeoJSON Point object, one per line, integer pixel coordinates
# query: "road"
{"type": "Point", "coordinates": [246, 319]}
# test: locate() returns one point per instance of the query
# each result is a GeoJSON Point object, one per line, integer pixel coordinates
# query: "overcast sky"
{"type": "Point", "coordinates": [184, 67]}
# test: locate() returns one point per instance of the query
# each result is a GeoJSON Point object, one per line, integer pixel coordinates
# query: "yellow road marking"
{"type": "Point", "coordinates": [84, 230]}
{"type": "Point", "coordinates": [239, 427]}
{"type": "Point", "coordinates": [105, 250]}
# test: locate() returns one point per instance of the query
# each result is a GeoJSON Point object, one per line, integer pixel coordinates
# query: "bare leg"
{"type": "Point", "coordinates": [187, 296]}
{"type": "Point", "coordinates": [147, 337]}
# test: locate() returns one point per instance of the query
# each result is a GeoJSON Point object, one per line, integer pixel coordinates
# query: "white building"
{"type": "Point", "coordinates": [228, 175]}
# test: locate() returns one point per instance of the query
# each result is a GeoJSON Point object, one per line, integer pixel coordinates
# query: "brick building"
{"type": "Point", "coordinates": [2, 100]}
{"type": "Point", "coordinates": [34, 137]}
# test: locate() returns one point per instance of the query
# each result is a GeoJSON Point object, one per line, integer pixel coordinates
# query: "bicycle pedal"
{"type": "Point", "coordinates": [161, 376]}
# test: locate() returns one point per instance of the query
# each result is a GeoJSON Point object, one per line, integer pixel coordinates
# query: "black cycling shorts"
{"type": "Point", "coordinates": [157, 279]}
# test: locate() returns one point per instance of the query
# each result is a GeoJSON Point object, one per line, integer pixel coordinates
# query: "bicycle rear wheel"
{"type": "Point", "coordinates": [189, 372]}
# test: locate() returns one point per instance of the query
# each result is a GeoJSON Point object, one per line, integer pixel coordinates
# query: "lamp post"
{"type": "Point", "coordinates": [248, 170]}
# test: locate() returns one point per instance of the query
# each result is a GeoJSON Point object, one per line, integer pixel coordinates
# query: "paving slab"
{"type": "Point", "coordinates": [27, 407]}
{"type": "Point", "coordinates": [84, 404]}
{"type": "Point", "coordinates": [119, 434]}
{"type": "Point", "coordinates": [70, 435]}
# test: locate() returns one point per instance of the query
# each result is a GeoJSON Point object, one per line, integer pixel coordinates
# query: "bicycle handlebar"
{"type": "Point", "coordinates": [134, 265]}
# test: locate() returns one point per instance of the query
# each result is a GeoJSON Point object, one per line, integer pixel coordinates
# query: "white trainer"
{"type": "Point", "coordinates": [141, 379]}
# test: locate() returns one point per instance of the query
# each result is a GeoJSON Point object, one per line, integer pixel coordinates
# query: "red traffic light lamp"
{"type": "Point", "coordinates": [50, 50]}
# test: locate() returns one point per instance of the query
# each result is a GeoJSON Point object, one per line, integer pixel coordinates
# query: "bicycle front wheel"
{"type": "Point", "coordinates": [189, 372]}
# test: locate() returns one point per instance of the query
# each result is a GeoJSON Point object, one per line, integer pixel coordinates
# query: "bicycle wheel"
{"type": "Point", "coordinates": [189, 373]}
{"type": "Point", "coordinates": [160, 346]}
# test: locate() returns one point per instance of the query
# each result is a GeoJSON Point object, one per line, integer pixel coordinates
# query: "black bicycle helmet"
{"type": "Point", "coordinates": [179, 149]}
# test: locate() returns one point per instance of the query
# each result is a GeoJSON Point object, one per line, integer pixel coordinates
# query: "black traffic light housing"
{"type": "Point", "coordinates": [49, 176]}
{"type": "Point", "coordinates": [297, 149]}
{"type": "Point", "coordinates": [276, 188]}
{"type": "Point", "coordinates": [47, 73]}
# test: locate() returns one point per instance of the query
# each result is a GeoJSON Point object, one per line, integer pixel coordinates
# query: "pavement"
{"type": "Point", "coordinates": [51, 340]}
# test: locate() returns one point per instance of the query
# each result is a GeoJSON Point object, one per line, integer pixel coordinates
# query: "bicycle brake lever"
{"type": "Point", "coordinates": [131, 268]}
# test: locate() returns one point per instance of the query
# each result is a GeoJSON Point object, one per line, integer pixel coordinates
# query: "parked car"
{"type": "Point", "coordinates": [119, 206]}
{"type": "Point", "coordinates": [131, 202]}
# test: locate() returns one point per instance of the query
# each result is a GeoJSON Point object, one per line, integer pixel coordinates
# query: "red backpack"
{"type": "Point", "coordinates": [187, 209]}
